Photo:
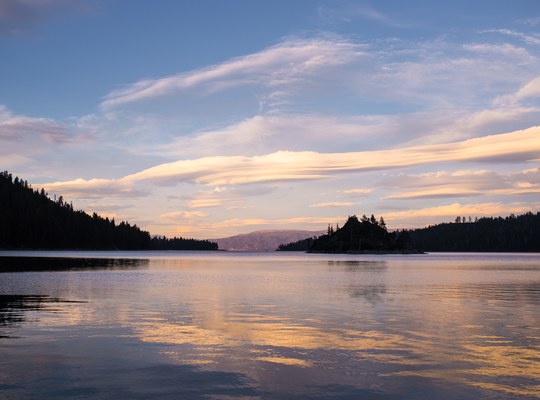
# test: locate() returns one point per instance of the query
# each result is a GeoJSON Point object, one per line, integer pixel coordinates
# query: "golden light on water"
{"type": "Point", "coordinates": [485, 363]}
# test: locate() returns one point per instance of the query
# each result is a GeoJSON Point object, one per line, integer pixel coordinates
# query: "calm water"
{"type": "Point", "coordinates": [176, 325]}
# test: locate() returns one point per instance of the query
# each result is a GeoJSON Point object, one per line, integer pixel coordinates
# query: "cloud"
{"type": "Point", "coordinates": [513, 147]}
{"type": "Point", "coordinates": [358, 191]}
{"type": "Point", "coordinates": [278, 131]}
{"type": "Point", "coordinates": [303, 93]}
{"type": "Point", "coordinates": [519, 146]}
{"type": "Point", "coordinates": [105, 207]}
{"type": "Point", "coordinates": [332, 204]}
{"type": "Point", "coordinates": [439, 193]}
{"type": "Point", "coordinates": [264, 133]}
{"type": "Point", "coordinates": [276, 66]}
{"type": "Point", "coordinates": [184, 214]}
{"type": "Point", "coordinates": [18, 127]}
{"type": "Point", "coordinates": [506, 50]}
{"type": "Point", "coordinates": [10, 161]}
{"type": "Point", "coordinates": [529, 39]}
{"type": "Point", "coordinates": [172, 218]}
{"type": "Point", "coordinates": [495, 118]}
{"type": "Point", "coordinates": [32, 144]}
{"type": "Point", "coordinates": [415, 217]}
{"type": "Point", "coordinates": [531, 89]}
{"type": "Point", "coordinates": [94, 188]}
{"type": "Point", "coordinates": [464, 183]}
{"type": "Point", "coordinates": [203, 203]}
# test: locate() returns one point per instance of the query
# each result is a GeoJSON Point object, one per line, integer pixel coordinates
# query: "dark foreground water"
{"type": "Point", "coordinates": [174, 325]}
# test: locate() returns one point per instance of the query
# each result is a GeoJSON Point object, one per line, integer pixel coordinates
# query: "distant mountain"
{"type": "Point", "coordinates": [267, 240]}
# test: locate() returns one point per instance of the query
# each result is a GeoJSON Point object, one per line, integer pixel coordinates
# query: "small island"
{"type": "Point", "coordinates": [361, 236]}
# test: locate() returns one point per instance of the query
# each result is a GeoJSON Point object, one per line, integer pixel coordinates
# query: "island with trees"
{"type": "Point", "coordinates": [29, 219]}
{"type": "Point", "coordinates": [364, 235]}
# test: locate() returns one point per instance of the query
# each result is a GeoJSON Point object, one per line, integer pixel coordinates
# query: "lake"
{"type": "Point", "coordinates": [215, 325]}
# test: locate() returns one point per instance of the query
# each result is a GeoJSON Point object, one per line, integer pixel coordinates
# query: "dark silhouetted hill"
{"type": "Point", "coordinates": [360, 236]}
{"type": "Point", "coordinates": [29, 219]}
{"type": "Point", "coordinates": [491, 234]}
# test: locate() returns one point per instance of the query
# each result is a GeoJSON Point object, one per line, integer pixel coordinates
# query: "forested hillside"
{"type": "Point", "coordinates": [29, 219]}
{"type": "Point", "coordinates": [489, 234]}
{"type": "Point", "coordinates": [300, 245]}
{"type": "Point", "coordinates": [509, 234]}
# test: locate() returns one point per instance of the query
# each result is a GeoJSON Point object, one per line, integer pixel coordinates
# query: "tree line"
{"type": "Point", "coordinates": [513, 233]}
{"type": "Point", "coordinates": [29, 219]}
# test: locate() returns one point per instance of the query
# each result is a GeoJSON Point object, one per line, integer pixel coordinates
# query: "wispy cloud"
{"type": "Point", "coordinates": [357, 191]}
{"type": "Point", "coordinates": [506, 50]}
{"type": "Point", "coordinates": [464, 183]}
{"type": "Point", "coordinates": [266, 133]}
{"type": "Point", "coordinates": [174, 217]}
{"type": "Point", "coordinates": [274, 67]}
{"type": "Point", "coordinates": [332, 204]}
{"type": "Point", "coordinates": [529, 39]}
{"type": "Point", "coordinates": [531, 89]}
{"type": "Point", "coordinates": [437, 193]}
{"type": "Point", "coordinates": [94, 188]}
{"type": "Point", "coordinates": [414, 218]}
{"type": "Point", "coordinates": [10, 161]}
{"type": "Point", "coordinates": [203, 203]}
{"type": "Point", "coordinates": [300, 90]}
{"type": "Point", "coordinates": [18, 127]}
{"type": "Point", "coordinates": [517, 147]}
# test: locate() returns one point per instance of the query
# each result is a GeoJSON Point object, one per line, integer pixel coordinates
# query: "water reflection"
{"type": "Point", "coordinates": [21, 264]}
{"type": "Point", "coordinates": [384, 328]}
{"type": "Point", "coordinates": [360, 265]}
{"type": "Point", "coordinates": [489, 363]}
{"type": "Point", "coordinates": [373, 294]}
{"type": "Point", "coordinates": [15, 308]}
{"type": "Point", "coordinates": [368, 281]}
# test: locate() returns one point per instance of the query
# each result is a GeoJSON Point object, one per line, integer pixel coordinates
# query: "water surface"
{"type": "Point", "coordinates": [270, 326]}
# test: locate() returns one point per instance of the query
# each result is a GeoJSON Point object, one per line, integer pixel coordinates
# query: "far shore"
{"type": "Point", "coordinates": [370, 252]}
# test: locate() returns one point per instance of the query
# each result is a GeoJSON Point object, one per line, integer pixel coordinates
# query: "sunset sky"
{"type": "Point", "coordinates": [210, 118]}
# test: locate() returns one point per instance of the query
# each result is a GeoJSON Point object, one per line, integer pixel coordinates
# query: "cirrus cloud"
{"type": "Point", "coordinates": [277, 66]}
{"type": "Point", "coordinates": [518, 147]}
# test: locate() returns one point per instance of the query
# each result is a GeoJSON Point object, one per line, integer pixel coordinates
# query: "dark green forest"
{"type": "Point", "coordinates": [519, 233]}
{"type": "Point", "coordinates": [29, 219]}
{"type": "Point", "coordinates": [300, 245]}
{"type": "Point", "coordinates": [175, 243]}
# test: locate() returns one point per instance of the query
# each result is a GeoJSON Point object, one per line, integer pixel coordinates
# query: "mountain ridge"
{"type": "Point", "coordinates": [263, 240]}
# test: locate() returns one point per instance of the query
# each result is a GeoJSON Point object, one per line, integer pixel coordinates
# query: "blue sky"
{"type": "Point", "coordinates": [212, 118]}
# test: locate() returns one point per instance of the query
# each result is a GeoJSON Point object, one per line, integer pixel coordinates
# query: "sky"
{"type": "Point", "coordinates": [212, 118]}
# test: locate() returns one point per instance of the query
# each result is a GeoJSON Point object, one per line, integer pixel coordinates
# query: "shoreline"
{"type": "Point", "coordinates": [377, 252]}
